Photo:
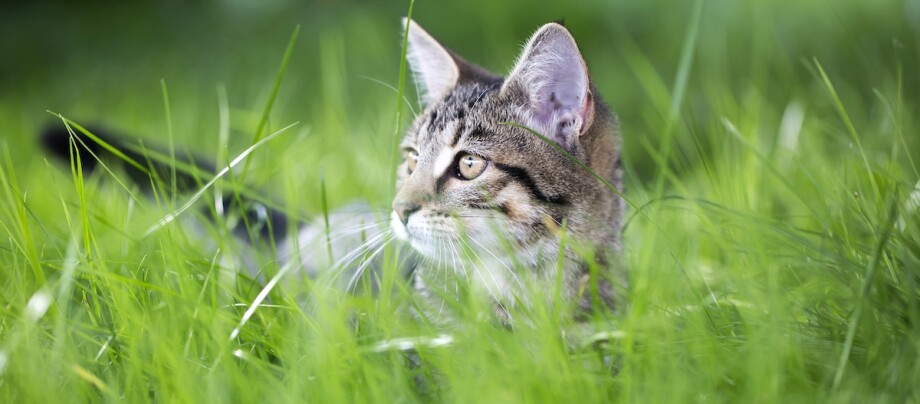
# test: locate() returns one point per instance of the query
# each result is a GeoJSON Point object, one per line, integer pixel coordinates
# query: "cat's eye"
{"type": "Point", "coordinates": [411, 160]}
{"type": "Point", "coordinates": [471, 166]}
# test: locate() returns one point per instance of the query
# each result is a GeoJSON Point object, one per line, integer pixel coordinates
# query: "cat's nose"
{"type": "Point", "coordinates": [405, 208]}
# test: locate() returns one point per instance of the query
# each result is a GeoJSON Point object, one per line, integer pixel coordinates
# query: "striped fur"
{"type": "Point", "coordinates": [513, 211]}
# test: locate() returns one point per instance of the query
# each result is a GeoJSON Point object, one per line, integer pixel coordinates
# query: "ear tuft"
{"type": "Point", "coordinates": [554, 78]}
{"type": "Point", "coordinates": [434, 69]}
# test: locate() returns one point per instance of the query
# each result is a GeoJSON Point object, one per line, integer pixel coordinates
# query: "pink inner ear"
{"type": "Point", "coordinates": [562, 112]}
{"type": "Point", "coordinates": [553, 74]}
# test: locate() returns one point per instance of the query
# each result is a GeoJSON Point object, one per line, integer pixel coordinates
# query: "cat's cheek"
{"type": "Point", "coordinates": [399, 229]}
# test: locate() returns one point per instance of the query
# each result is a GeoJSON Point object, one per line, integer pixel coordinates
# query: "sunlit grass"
{"type": "Point", "coordinates": [773, 247]}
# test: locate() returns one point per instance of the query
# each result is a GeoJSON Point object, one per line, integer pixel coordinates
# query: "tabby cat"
{"type": "Point", "coordinates": [480, 199]}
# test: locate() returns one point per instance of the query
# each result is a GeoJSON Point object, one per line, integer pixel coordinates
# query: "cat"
{"type": "Point", "coordinates": [480, 197]}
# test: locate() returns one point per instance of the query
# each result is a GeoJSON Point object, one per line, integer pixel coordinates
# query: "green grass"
{"type": "Point", "coordinates": [771, 151]}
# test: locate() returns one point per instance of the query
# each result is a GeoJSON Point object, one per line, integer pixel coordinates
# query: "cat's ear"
{"type": "Point", "coordinates": [553, 78]}
{"type": "Point", "coordinates": [435, 71]}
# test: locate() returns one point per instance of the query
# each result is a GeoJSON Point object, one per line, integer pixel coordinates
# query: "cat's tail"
{"type": "Point", "coordinates": [145, 166]}
{"type": "Point", "coordinates": [154, 170]}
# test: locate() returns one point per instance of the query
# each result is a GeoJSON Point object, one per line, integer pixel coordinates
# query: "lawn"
{"type": "Point", "coordinates": [772, 165]}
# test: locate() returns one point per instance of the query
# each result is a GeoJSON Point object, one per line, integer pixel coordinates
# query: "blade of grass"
{"type": "Point", "coordinates": [100, 142]}
{"type": "Point", "coordinates": [271, 98]}
{"type": "Point", "coordinates": [8, 176]}
{"type": "Point", "coordinates": [864, 292]}
{"type": "Point", "coordinates": [76, 169]}
{"type": "Point", "coordinates": [394, 89]}
{"type": "Point", "coordinates": [680, 86]}
{"type": "Point", "coordinates": [325, 207]}
{"type": "Point", "coordinates": [171, 144]}
{"type": "Point", "coordinates": [257, 302]}
{"type": "Point", "coordinates": [75, 139]}
{"type": "Point", "coordinates": [851, 129]}
{"type": "Point", "coordinates": [391, 255]}
{"type": "Point", "coordinates": [223, 139]}
{"type": "Point", "coordinates": [400, 91]}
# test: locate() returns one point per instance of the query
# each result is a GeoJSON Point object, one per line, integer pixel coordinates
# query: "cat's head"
{"type": "Point", "coordinates": [468, 174]}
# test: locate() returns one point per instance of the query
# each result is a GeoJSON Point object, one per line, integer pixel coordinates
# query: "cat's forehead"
{"type": "Point", "coordinates": [474, 106]}
{"type": "Point", "coordinates": [462, 103]}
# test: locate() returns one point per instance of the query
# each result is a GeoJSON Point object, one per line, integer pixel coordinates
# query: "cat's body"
{"type": "Point", "coordinates": [486, 203]}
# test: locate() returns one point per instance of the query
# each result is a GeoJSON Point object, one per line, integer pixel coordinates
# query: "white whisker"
{"type": "Point", "coordinates": [488, 287]}
{"type": "Point", "coordinates": [340, 234]}
{"type": "Point", "coordinates": [342, 265]}
{"type": "Point", "coordinates": [456, 286]}
{"type": "Point", "coordinates": [353, 282]}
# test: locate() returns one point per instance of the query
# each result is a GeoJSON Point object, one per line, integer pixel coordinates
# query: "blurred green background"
{"type": "Point", "coordinates": [776, 256]}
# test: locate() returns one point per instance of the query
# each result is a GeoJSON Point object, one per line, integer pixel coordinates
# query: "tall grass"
{"type": "Point", "coordinates": [771, 154]}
